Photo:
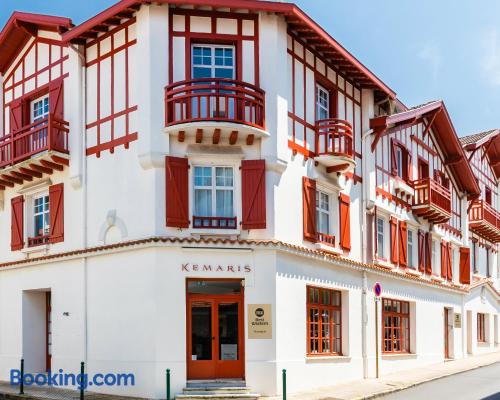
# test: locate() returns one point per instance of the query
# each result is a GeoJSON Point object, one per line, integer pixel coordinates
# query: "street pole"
{"type": "Point", "coordinates": [376, 337]}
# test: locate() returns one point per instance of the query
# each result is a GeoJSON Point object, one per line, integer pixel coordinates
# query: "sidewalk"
{"type": "Point", "coordinates": [373, 388]}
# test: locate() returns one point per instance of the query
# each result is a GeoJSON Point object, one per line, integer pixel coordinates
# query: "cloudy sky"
{"type": "Point", "coordinates": [426, 49]}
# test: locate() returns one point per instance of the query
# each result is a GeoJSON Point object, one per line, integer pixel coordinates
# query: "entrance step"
{"type": "Point", "coordinates": [217, 390]}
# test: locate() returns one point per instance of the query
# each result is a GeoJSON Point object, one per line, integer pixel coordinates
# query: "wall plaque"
{"type": "Point", "coordinates": [260, 321]}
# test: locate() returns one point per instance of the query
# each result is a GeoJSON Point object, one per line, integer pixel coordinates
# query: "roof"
{"type": "Point", "coordinates": [490, 140]}
{"type": "Point", "coordinates": [475, 138]}
{"type": "Point", "coordinates": [445, 136]}
{"type": "Point", "coordinates": [297, 20]}
{"type": "Point", "coordinates": [20, 27]}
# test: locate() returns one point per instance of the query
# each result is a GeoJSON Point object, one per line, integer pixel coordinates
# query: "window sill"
{"type": "Point", "coordinates": [383, 263]}
{"type": "Point", "coordinates": [214, 232]}
{"type": "Point", "coordinates": [329, 249]}
{"type": "Point", "coordinates": [310, 359]}
{"type": "Point", "coordinates": [399, 356]}
{"type": "Point", "coordinates": [412, 271]}
{"type": "Point", "coordinates": [41, 248]}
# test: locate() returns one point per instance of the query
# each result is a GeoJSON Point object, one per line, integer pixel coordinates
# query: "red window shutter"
{"type": "Point", "coordinates": [428, 253]}
{"type": "Point", "coordinates": [16, 115]}
{"type": "Point", "coordinates": [443, 259]}
{"type": "Point", "coordinates": [465, 265]}
{"type": "Point", "coordinates": [17, 223]}
{"type": "Point", "coordinates": [177, 192]}
{"type": "Point", "coordinates": [253, 193]}
{"type": "Point", "coordinates": [449, 260]}
{"type": "Point", "coordinates": [345, 221]}
{"type": "Point", "coordinates": [407, 162]}
{"type": "Point", "coordinates": [56, 98]}
{"type": "Point", "coordinates": [56, 209]}
{"type": "Point", "coordinates": [394, 240]}
{"type": "Point", "coordinates": [421, 251]}
{"type": "Point", "coordinates": [309, 209]}
{"type": "Point", "coordinates": [403, 249]}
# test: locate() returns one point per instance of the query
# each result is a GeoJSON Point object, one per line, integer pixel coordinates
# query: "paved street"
{"type": "Point", "coordinates": [482, 383]}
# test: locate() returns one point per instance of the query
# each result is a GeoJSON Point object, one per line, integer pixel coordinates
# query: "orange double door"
{"type": "Point", "coordinates": [215, 334]}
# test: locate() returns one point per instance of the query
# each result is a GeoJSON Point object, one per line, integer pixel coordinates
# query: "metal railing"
{"type": "Point", "coordinates": [214, 99]}
{"type": "Point", "coordinates": [214, 222]}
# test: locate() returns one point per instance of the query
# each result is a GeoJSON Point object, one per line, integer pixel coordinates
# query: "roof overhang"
{"type": "Point", "coordinates": [491, 145]}
{"type": "Point", "coordinates": [21, 27]}
{"type": "Point", "coordinates": [446, 139]}
{"type": "Point", "coordinates": [298, 21]}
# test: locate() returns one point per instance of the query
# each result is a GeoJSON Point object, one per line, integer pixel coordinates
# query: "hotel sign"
{"type": "Point", "coordinates": [260, 321]}
{"type": "Point", "coordinates": [227, 268]}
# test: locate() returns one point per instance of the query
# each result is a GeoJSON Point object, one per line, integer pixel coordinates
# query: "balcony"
{"type": "Point", "coordinates": [38, 148]}
{"type": "Point", "coordinates": [431, 201]}
{"type": "Point", "coordinates": [334, 147]}
{"type": "Point", "coordinates": [215, 222]}
{"type": "Point", "coordinates": [215, 110]}
{"type": "Point", "coordinates": [485, 221]}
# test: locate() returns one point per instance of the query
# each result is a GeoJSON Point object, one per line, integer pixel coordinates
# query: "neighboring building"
{"type": "Point", "coordinates": [215, 187]}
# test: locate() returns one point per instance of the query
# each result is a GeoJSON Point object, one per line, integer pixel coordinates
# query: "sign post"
{"type": "Point", "coordinates": [377, 290]}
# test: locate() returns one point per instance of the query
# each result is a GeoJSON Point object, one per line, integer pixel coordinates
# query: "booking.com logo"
{"type": "Point", "coordinates": [82, 381]}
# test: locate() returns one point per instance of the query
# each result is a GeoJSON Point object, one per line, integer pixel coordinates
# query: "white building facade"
{"type": "Point", "coordinates": [215, 187]}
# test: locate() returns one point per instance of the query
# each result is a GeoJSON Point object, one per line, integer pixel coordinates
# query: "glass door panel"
{"type": "Point", "coordinates": [201, 331]}
{"type": "Point", "coordinates": [228, 331]}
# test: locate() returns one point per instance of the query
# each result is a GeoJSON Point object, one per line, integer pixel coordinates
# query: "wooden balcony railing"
{"type": "Point", "coordinates": [334, 137]}
{"type": "Point", "coordinates": [215, 222]}
{"type": "Point", "coordinates": [485, 221]}
{"type": "Point", "coordinates": [214, 99]}
{"type": "Point", "coordinates": [38, 240]}
{"type": "Point", "coordinates": [47, 134]}
{"type": "Point", "coordinates": [431, 201]}
{"type": "Point", "coordinates": [324, 238]}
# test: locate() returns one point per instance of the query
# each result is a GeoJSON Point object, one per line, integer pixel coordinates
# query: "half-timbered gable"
{"type": "Point", "coordinates": [423, 180]}
{"type": "Point", "coordinates": [484, 218]}
{"type": "Point", "coordinates": [111, 77]}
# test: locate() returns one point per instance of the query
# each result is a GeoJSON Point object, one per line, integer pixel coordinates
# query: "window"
{"type": "Point", "coordinates": [380, 238]}
{"type": "Point", "coordinates": [400, 162]}
{"type": "Point", "coordinates": [324, 321]}
{"type": "Point", "coordinates": [322, 103]}
{"type": "Point", "coordinates": [488, 262]}
{"type": "Point", "coordinates": [322, 212]}
{"type": "Point", "coordinates": [213, 61]}
{"type": "Point", "coordinates": [411, 261]}
{"type": "Point", "coordinates": [214, 197]}
{"type": "Point", "coordinates": [473, 262]}
{"type": "Point", "coordinates": [39, 108]}
{"type": "Point", "coordinates": [41, 220]}
{"type": "Point", "coordinates": [481, 331]}
{"type": "Point", "coordinates": [487, 195]}
{"type": "Point", "coordinates": [434, 254]}
{"type": "Point", "coordinates": [396, 320]}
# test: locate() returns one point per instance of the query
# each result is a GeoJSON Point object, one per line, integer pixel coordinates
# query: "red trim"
{"type": "Point", "coordinates": [296, 18]}
{"type": "Point", "coordinates": [20, 28]}
{"type": "Point", "coordinates": [322, 303]}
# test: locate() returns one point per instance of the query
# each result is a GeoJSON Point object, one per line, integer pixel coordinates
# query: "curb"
{"type": "Point", "coordinates": [414, 384]}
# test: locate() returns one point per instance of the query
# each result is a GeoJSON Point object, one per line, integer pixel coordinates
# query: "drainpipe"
{"type": "Point", "coordinates": [83, 148]}
{"type": "Point", "coordinates": [364, 322]}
